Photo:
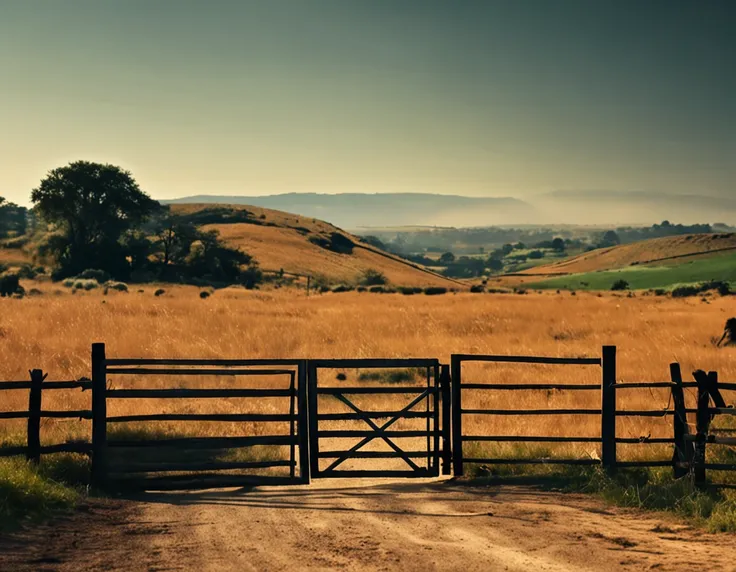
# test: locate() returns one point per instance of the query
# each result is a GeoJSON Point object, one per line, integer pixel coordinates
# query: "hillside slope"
{"type": "Point", "coordinates": [657, 251]}
{"type": "Point", "coordinates": [301, 245]}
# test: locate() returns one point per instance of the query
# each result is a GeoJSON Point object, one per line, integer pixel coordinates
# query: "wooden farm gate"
{"type": "Point", "coordinates": [127, 459]}
{"type": "Point", "coordinates": [350, 420]}
{"type": "Point", "coordinates": [461, 386]}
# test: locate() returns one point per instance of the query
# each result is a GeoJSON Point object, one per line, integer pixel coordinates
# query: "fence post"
{"type": "Point", "coordinates": [313, 424]}
{"type": "Point", "coordinates": [33, 452]}
{"type": "Point", "coordinates": [457, 416]}
{"type": "Point", "coordinates": [683, 453]}
{"type": "Point", "coordinates": [702, 422]}
{"type": "Point", "coordinates": [303, 422]}
{"type": "Point", "coordinates": [446, 420]}
{"type": "Point", "coordinates": [608, 408]}
{"type": "Point", "coordinates": [99, 416]}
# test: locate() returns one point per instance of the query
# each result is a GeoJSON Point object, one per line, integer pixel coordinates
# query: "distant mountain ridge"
{"type": "Point", "coordinates": [353, 210]}
{"type": "Point", "coordinates": [360, 210]}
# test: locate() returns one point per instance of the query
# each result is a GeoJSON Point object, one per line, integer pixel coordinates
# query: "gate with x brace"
{"type": "Point", "coordinates": [379, 418]}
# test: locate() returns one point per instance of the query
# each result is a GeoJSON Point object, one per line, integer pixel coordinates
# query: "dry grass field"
{"type": "Point", "coordinates": [54, 332]}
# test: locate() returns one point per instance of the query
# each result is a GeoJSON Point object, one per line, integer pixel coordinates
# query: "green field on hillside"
{"type": "Point", "coordinates": [720, 267]}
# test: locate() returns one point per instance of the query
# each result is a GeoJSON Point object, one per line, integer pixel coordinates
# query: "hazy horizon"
{"type": "Point", "coordinates": [473, 98]}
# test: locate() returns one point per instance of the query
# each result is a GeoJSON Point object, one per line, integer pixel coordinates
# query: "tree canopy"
{"type": "Point", "coordinates": [91, 206]}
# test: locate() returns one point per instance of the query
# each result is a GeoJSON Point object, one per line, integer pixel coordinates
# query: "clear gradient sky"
{"type": "Point", "coordinates": [499, 98]}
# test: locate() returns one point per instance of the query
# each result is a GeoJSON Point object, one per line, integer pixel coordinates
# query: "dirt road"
{"type": "Point", "coordinates": [367, 525]}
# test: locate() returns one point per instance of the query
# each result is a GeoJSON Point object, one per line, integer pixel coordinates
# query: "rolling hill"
{"type": "Point", "coordinates": [308, 246]}
{"type": "Point", "coordinates": [660, 263]}
{"type": "Point", "coordinates": [656, 251]}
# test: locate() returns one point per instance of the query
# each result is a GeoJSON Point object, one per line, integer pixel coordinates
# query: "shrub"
{"type": "Point", "coordinates": [685, 291]}
{"type": "Point", "coordinates": [409, 290]}
{"type": "Point", "coordinates": [620, 285]}
{"type": "Point", "coordinates": [35, 292]}
{"type": "Point", "coordinates": [9, 285]}
{"type": "Point", "coordinates": [85, 284]}
{"type": "Point", "coordinates": [377, 289]}
{"type": "Point", "coordinates": [204, 294]}
{"type": "Point", "coordinates": [361, 289]}
{"type": "Point", "coordinates": [477, 288]}
{"type": "Point", "coordinates": [93, 274]}
{"type": "Point", "coordinates": [27, 272]}
{"type": "Point", "coordinates": [159, 292]}
{"type": "Point", "coordinates": [119, 286]}
{"type": "Point", "coordinates": [342, 288]}
{"type": "Point", "coordinates": [341, 377]}
{"type": "Point", "coordinates": [373, 277]}
{"type": "Point", "coordinates": [435, 290]}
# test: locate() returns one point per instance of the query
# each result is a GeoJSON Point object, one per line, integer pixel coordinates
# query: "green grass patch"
{"type": "Point", "coordinates": [718, 267]}
{"type": "Point", "coordinates": [647, 489]}
{"type": "Point", "coordinates": [31, 493]}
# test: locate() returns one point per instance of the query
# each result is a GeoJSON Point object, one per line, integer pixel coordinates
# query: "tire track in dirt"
{"type": "Point", "coordinates": [373, 525]}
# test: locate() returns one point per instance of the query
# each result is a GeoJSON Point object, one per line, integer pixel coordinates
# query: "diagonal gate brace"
{"type": "Point", "coordinates": [379, 430]}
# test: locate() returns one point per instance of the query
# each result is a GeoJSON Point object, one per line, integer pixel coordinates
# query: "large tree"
{"type": "Point", "coordinates": [92, 206]}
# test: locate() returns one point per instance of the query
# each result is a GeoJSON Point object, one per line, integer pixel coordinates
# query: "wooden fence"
{"type": "Point", "coordinates": [36, 386]}
{"type": "Point", "coordinates": [447, 389]}
{"type": "Point", "coordinates": [682, 461]}
{"type": "Point", "coordinates": [691, 449]}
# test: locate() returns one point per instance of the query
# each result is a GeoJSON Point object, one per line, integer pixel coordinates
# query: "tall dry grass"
{"type": "Point", "coordinates": [54, 332]}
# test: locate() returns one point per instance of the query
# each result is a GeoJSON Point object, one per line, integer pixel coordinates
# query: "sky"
{"type": "Point", "coordinates": [481, 98]}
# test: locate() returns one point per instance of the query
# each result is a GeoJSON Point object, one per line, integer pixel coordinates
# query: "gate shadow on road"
{"type": "Point", "coordinates": [378, 497]}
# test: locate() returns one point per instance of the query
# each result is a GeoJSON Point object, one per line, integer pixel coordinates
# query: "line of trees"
{"type": "Point", "coordinates": [13, 219]}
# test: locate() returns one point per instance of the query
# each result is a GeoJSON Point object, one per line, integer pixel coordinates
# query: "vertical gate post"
{"type": "Point", "coordinates": [33, 452]}
{"type": "Point", "coordinates": [303, 422]}
{"type": "Point", "coordinates": [608, 408]}
{"type": "Point", "coordinates": [313, 425]}
{"type": "Point", "coordinates": [99, 416]}
{"type": "Point", "coordinates": [702, 422]}
{"type": "Point", "coordinates": [457, 416]}
{"type": "Point", "coordinates": [446, 420]}
{"type": "Point", "coordinates": [682, 456]}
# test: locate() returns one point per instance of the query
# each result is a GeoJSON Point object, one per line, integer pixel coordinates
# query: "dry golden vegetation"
{"type": "Point", "coordinates": [282, 241]}
{"type": "Point", "coordinates": [54, 332]}
{"type": "Point", "coordinates": [687, 247]}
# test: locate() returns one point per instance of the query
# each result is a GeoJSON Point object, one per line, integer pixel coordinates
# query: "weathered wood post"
{"type": "Point", "coordinates": [608, 408]}
{"type": "Point", "coordinates": [702, 417]}
{"type": "Point", "coordinates": [303, 428]}
{"type": "Point", "coordinates": [683, 453]}
{"type": "Point", "coordinates": [446, 420]}
{"type": "Point", "coordinates": [457, 416]}
{"type": "Point", "coordinates": [33, 452]}
{"type": "Point", "coordinates": [313, 424]}
{"type": "Point", "coordinates": [99, 416]}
